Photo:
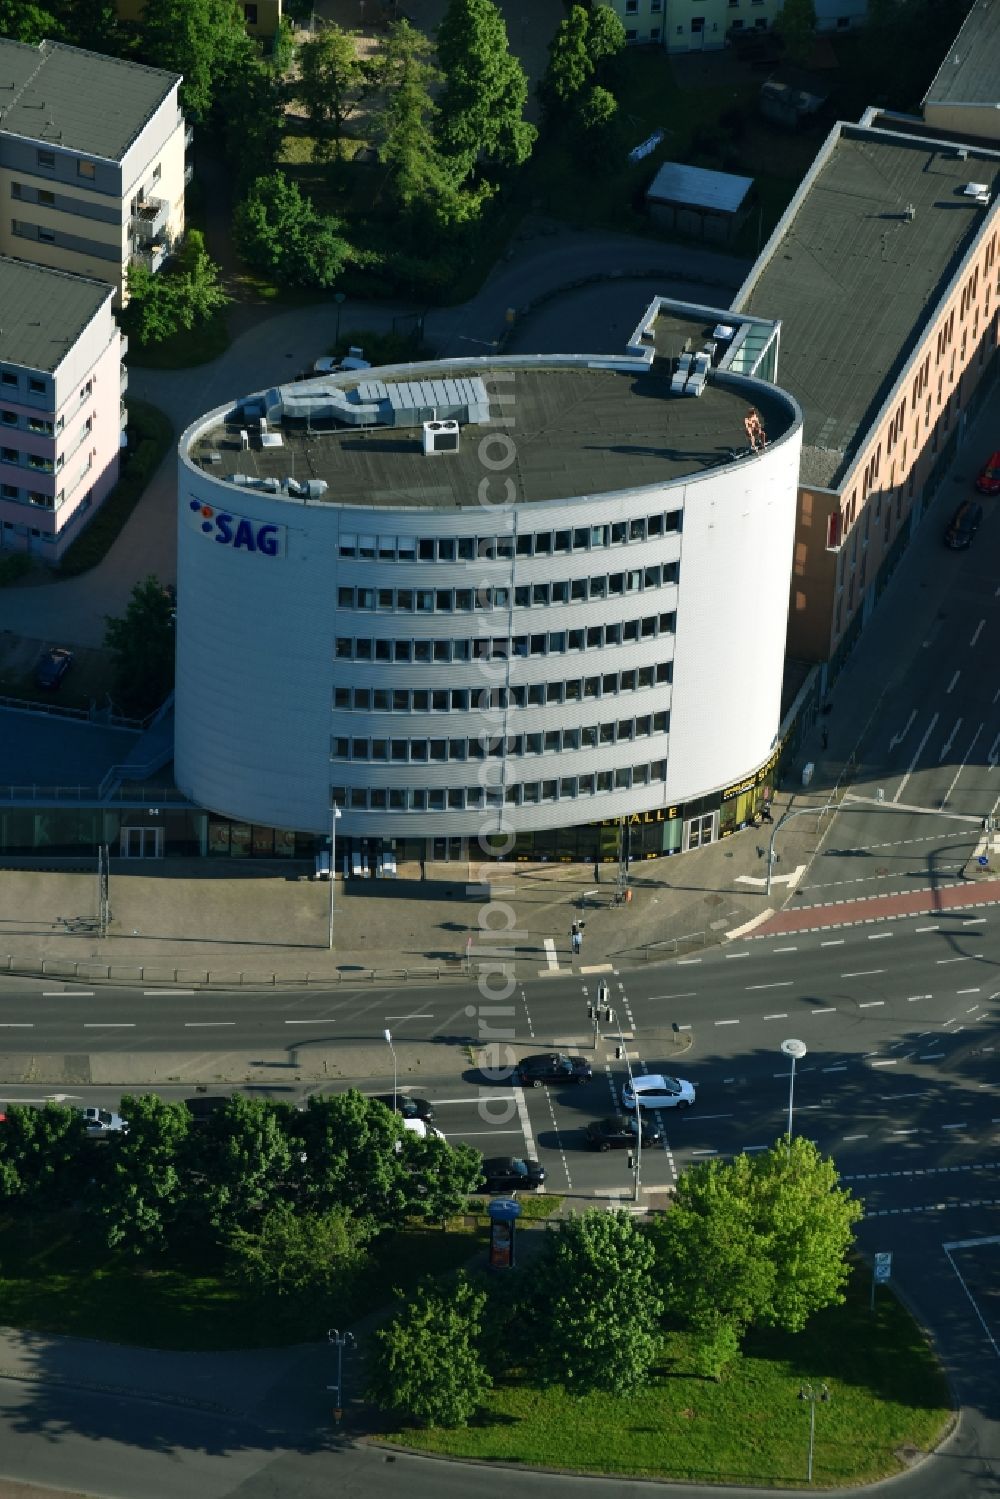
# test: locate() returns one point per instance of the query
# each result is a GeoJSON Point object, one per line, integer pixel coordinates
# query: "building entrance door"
{"type": "Point", "coordinates": [700, 830]}
{"type": "Point", "coordinates": [141, 843]}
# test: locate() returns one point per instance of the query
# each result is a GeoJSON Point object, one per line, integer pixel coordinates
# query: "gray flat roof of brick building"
{"type": "Point", "coordinates": [43, 312]}
{"type": "Point", "coordinates": [970, 70]}
{"type": "Point", "coordinates": [855, 276]}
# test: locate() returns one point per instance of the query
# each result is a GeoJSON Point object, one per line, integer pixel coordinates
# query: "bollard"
{"type": "Point", "coordinates": [142, 970]}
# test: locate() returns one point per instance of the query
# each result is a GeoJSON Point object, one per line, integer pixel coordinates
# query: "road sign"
{"type": "Point", "coordinates": [983, 861]}
{"type": "Point", "coordinates": [883, 1267]}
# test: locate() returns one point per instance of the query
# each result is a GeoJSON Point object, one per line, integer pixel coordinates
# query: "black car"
{"type": "Point", "coordinates": [963, 525]}
{"type": "Point", "coordinates": [618, 1133]}
{"type": "Point", "coordinates": [553, 1067]}
{"type": "Point", "coordinates": [509, 1173]}
{"type": "Point", "coordinates": [205, 1106]}
{"type": "Point", "coordinates": [53, 666]}
{"type": "Point", "coordinates": [407, 1106]}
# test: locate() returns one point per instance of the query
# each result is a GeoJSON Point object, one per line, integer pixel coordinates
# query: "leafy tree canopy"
{"type": "Point", "coordinates": [206, 40]}
{"type": "Point", "coordinates": [162, 303]}
{"type": "Point", "coordinates": [797, 25]}
{"type": "Point", "coordinates": [141, 642]}
{"type": "Point", "coordinates": [598, 1303]}
{"type": "Point", "coordinates": [301, 1255]}
{"type": "Point", "coordinates": [21, 21]}
{"type": "Point", "coordinates": [249, 1163]}
{"type": "Point", "coordinates": [570, 65]}
{"type": "Point", "coordinates": [41, 1150]}
{"type": "Point", "coordinates": [333, 81]}
{"type": "Point", "coordinates": [279, 231]}
{"type": "Point", "coordinates": [428, 1366]}
{"type": "Point", "coordinates": [481, 109]}
{"type": "Point", "coordinates": [144, 1190]}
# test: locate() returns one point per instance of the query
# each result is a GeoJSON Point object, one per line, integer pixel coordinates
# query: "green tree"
{"type": "Point", "coordinates": [598, 1304]}
{"type": "Point", "coordinates": [145, 1190]}
{"type": "Point", "coordinates": [252, 118]}
{"type": "Point", "coordinates": [481, 108]}
{"type": "Point", "coordinates": [278, 231]}
{"type": "Point", "coordinates": [89, 23]}
{"type": "Point", "coordinates": [141, 642]}
{"type": "Point", "coordinates": [757, 1241]}
{"type": "Point", "coordinates": [797, 24]}
{"type": "Point", "coordinates": [352, 1157]}
{"type": "Point", "coordinates": [441, 1176]}
{"type": "Point", "coordinates": [21, 21]}
{"type": "Point", "coordinates": [246, 1163]}
{"type": "Point", "coordinates": [570, 65]}
{"type": "Point", "coordinates": [333, 81]}
{"type": "Point", "coordinates": [42, 1156]}
{"type": "Point", "coordinates": [301, 1256]}
{"type": "Point", "coordinates": [165, 302]}
{"type": "Point", "coordinates": [605, 36]}
{"type": "Point", "coordinates": [206, 40]}
{"type": "Point", "coordinates": [429, 1368]}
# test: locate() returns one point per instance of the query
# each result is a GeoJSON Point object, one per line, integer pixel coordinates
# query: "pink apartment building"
{"type": "Point", "coordinates": [62, 413]}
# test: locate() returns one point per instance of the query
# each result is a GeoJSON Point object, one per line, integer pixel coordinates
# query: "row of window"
{"type": "Point", "coordinates": [465, 600]}
{"type": "Point", "coordinates": [550, 643]}
{"type": "Point", "coordinates": [488, 699]}
{"type": "Point", "coordinates": [34, 461]}
{"type": "Point", "coordinates": [31, 496]}
{"type": "Point", "coordinates": [47, 160]}
{"type": "Point", "coordinates": [551, 742]}
{"type": "Point", "coordinates": [483, 798]}
{"type": "Point", "coordinates": [500, 548]}
{"type": "Point", "coordinates": [39, 424]}
{"type": "Point", "coordinates": [14, 380]}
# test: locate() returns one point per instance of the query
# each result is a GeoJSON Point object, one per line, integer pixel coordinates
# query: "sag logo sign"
{"type": "Point", "coordinates": [237, 531]}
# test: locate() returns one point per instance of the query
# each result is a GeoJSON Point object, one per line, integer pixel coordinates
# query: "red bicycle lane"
{"type": "Point", "coordinates": [931, 901]}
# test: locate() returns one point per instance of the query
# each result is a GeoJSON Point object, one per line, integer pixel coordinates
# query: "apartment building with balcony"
{"type": "Point", "coordinates": [62, 384]}
{"type": "Point", "coordinates": [92, 168]}
{"type": "Point", "coordinates": [706, 25]}
{"type": "Point", "coordinates": [261, 17]}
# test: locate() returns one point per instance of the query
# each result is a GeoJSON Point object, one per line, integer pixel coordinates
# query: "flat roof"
{"type": "Point", "coordinates": [698, 187]}
{"type": "Point", "coordinates": [44, 312]}
{"type": "Point", "coordinates": [855, 278]}
{"type": "Point", "coordinates": [577, 431]}
{"type": "Point", "coordinates": [83, 101]}
{"type": "Point", "coordinates": [970, 71]}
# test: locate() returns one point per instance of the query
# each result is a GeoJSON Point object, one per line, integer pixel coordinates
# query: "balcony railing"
{"type": "Point", "coordinates": [188, 173]}
{"type": "Point", "coordinates": [150, 219]}
{"type": "Point", "coordinates": [188, 137]}
{"type": "Point", "coordinates": [123, 384]}
{"type": "Point", "coordinates": [151, 256]}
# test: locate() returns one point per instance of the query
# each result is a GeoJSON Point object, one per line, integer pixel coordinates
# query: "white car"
{"type": "Point", "coordinates": [656, 1092]}
{"type": "Point", "coordinates": [103, 1122]}
{"type": "Point", "coordinates": [421, 1129]}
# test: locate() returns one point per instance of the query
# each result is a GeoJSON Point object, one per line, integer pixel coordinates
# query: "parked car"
{"type": "Point", "coordinates": [53, 666]}
{"type": "Point", "coordinates": [988, 478]}
{"type": "Point", "coordinates": [103, 1122]}
{"type": "Point", "coordinates": [407, 1105]}
{"type": "Point", "coordinates": [657, 1092]}
{"type": "Point", "coordinates": [422, 1129]}
{"type": "Point", "coordinates": [509, 1173]}
{"type": "Point", "coordinates": [205, 1106]}
{"type": "Point", "coordinates": [618, 1132]}
{"type": "Point", "coordinates": [553, 1067]}
{"type": "Point", "coordinates": [963, 525]}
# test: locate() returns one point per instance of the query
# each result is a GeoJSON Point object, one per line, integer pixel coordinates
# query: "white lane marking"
{"type": "Point", "coordinates": [67, 993]}
{"type": "Point", "coordinates": [413, 1016]}
{"type": "Point", "coordinates": [961, 1125]}
{"type": "Point", "coordinates": [730, 955]}
{"type": "Point", "coordinates": [886, 1062]}
{"type": "Point", "coordinates": [109, 1025]}
{"type": "Point", "coordinates": [930, 1056]}
{"type": "Point", "coordinates": [655, 998]}
{"type": "Point", "coordinates": [749, 1149]}
{"type": "Point", "coordinates": [704, 1152]}
{"type": "Point", "coordinates": [788, 949]}
{"type": "Point", "coordinates": [972, 1244]}
{"type": "Point", "coordinates": [879, 936]}
{"type": "Point", "coordinates": [164, 993]}
{"type": "Point", "coordinates": [951, 685]}
{"type": "Point", "coordinates": [946, 747]}
{"type": "Point", "coordinates": [994, 751]}
{"type": "Point", "coordinates": [854, 1137]}
{"type": "Point", "coordinates": [904, 1132]}
{"type": "Point", "coordinates": [522, 1114]}
{"type": "Point", "coordinates": [201, 1025]}
{"type": "Point", "coordinates": [17, 1025]}
{"type": "Point", "coordinates": [836, 942]}
{"type": "Point", "coordinates": [311, 1022]}
{"type": "Point", "coordinates": [468, 1134]}
{"type": "Point", "coordinates": [782, 1015]}
{"type": "Point", "coordinates": [683, 1027]}
{"type": "Point", "coordinates": [978, 631]}
{"type": "Point", "coordinates": [687, 962]}
{"type": "Point", "coordinates": [973, 920]}
{"type": "Point", "coordinates": [472, 1098]}
{"type": "Point", "coordinates": [916, 756]}
{"type": "Point", "coordinates": [727, 1022]}
{"type": "Point", "coordinates": [898, 738]}
{"type": "Point", "coordinates": [550, 952]}
{"type": "Point", "coordinates": [941, 961]}
{"type": "Point", "coordinates": [828, 1010]}
{"type": "Point", "coordinates": [784, 984]}
{"type": "Point", "coordinates": [926, 928]}
{"type": "Point", "coordinates": [863, 973]}
{"type": "Point", "coordinates": [912, 998]}
{"type": "Point", "coordinates": [702, 1117]}
{"type": "Point", "coordinates": [970, 991]}
{"type": "Point", "coordinates": [870, 1004]}
{"type": "Point", "coordinates": [961, 766]}
{"type": "Point", "coordinates": [842, 1067]}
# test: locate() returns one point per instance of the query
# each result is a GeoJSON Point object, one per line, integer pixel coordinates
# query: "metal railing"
{"type": "Point", "coordinates": [92, 714]}
{"type": "Point", "coordinates": [93, 971]}
{"type": "Point", "coordinates": [94, 794]}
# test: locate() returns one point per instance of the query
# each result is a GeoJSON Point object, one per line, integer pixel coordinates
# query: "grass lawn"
{"type": "Point", "coordinates": [56, 1276]}
{"type": "Point", "coordinates": [198, 345]}
{"type": "Point", "coordinates": [887, 1395]}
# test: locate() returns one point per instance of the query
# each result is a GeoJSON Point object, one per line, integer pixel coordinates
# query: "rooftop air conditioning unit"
{"type": "Point", "coordinates": [440, 437]}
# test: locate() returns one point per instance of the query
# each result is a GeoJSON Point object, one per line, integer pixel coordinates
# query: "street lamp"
{"type": "Point", "coordinates": [771, 856]}
{"type": "Point", "coordinates": [334, 819]}
{"type": "Point", "coordinates": [388, 1038]}
{"type": "Point", "coordinates": [340, 1341]}
{"type": "Point", "coordinates": [796, 1050]}
{"type": "Point", "coordinates": [808, 1393]}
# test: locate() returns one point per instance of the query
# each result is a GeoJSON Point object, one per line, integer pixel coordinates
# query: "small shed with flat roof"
{"type": "Point", "coordinates": [699, 202]}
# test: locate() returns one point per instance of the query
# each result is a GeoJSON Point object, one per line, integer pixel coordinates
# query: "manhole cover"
{"type": "Point", "coordinates": [713, 900]}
